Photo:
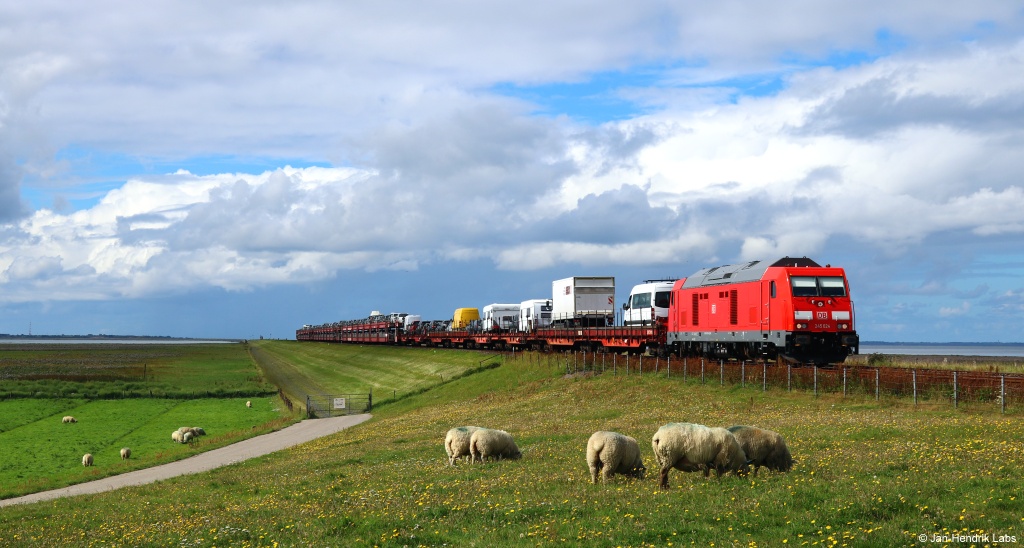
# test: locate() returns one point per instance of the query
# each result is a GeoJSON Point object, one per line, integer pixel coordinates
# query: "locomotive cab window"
{"type": "Point", "coordinates": [832, 286]}
{"type": "Point", "coordinates": [804, 286]}
{"type": "Point", "coordinates": [824, 286]}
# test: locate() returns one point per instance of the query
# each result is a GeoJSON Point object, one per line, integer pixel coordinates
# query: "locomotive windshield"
{"type": "Point", "coordinates": [820, 286]}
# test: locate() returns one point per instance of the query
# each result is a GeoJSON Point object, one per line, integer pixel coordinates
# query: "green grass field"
{"type": "Point", "coordinates": [866, 474]}
{"type": "Point", "coordinates": [39, 452]}
{"type": "Point", "coordinates": [129, 370]}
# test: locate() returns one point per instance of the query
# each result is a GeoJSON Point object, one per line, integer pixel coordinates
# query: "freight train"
{"type": "Point", "coordinates": [788, 309]}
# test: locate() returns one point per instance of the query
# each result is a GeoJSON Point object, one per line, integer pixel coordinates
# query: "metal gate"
{"type": "Point", "coordinates": [333, 405]}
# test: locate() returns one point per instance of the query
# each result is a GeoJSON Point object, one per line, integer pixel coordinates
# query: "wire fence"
{"type": "Point", "coordinates": [333, 405]}
{"type": "Point", "coordinates": [922, 385]}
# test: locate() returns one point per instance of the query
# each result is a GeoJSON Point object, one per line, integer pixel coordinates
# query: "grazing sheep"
{"type": "Point", "coordinates": [198, 431]}
{"type": "Point", "coordinates": [125, 453]}
{"type": "Point", "coordinates": [187, 437]}
{"type": "Point", "coordinates": [611, 453]}
{"type": "Point", "coordinates": [248, 404]}
{"type": "Point", "coordinates": [69, 419]}
{"type": "Point", "coordinates": [763, 448]}
{"type": "Point", "coordinates": [691, 447]}
{"type": "Point", "coordinates": [493, 444]}
{"type": "Point", "coordinates": [87, 459]}
{"type": "Point", "coordinates": [177, 436]}
{"type": "Point", "coordinates": [456, 442]}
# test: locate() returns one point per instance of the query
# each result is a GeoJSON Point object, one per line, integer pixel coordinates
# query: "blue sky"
{"type": "Point", "coordinates": [238, 170]}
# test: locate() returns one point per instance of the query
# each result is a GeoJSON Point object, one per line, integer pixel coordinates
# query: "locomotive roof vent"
{"type": "Point", "coordinates": [795, 261]}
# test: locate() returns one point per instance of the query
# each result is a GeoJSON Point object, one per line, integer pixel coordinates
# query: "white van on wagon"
{"type": "Point", "coordinates": [534, 313]}
{"type": "Point", "coordinates": [647, 303]}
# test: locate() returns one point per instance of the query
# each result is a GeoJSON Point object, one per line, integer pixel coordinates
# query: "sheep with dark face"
{"type": "Point", "coordinates": [456, 442]}
{"type": "Point", "coordinates": [611, 453]}
{"type": "Point", "coordinates": [763, 448]}
{"type": "Point", "coordinates": [69, 419]}
{"type": "Point", "coordinates": [692, 447]}
{"type": "Point", "coordinates": [486, 443]}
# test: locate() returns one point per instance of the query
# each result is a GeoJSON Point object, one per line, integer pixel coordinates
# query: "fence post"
{"type": "Point", "coordinates": [876, 384]}
{"type": "Point", "coordinates": [743, 374]}
{"type": "Point", "coordinates": [721, 372]}
{"type": "Point", "coordinates": [1002, 393]}
{"type": "Point", "coordinates": [702, 370]}
{"type": "Point", "coordinates": [914, 379]}
{"type": "Point", "coordinates": [641, 365]}
{"type": "Point", "coordinates": [789, 377]}
{"type": "Point", "coordinates": [844, 382]}
{"type": "Point", "coordinates": [627, 364]}
{"type": "Point", "coordinates": [684, 368]}
{"type": "Point", "coordinates": [615, 361]}
{"type": "Point", "coordinates": [764, 377]}
{"type": "Point", "coordinates": [955, 402]}
{"type": "Point", "coordinates": [815, 380]}
{"type": "Point", "coordinates": [309, 410]}
{"type": "Point", "coordinates": [668, 367]}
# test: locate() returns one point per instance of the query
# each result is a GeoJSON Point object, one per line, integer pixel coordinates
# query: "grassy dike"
{"type": "Point", "coordinates": [389, 372]}
{"type": "Point", "coordinates": [866, 475]}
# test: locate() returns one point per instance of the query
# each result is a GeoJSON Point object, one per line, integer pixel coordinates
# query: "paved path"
{"type": "Point", "coordinates": [295, 434]}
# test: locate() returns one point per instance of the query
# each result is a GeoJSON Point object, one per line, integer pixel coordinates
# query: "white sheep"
{"type": "Point", "coordinates": [187, 437]}
{"type": "Point", "coordinates": [692, 447]}
{"type": "Point", "coordinates": [456, 442]}
{"type": "Point", "coordinates": [69, 419]}
{"type": "Point", "coordinates": [87, 459]}
{"type": "Point", "coordinates": [611, 453]}
{"type": "Point", "coordinates": [763, 448]}
{"type": "Point", "coordinates": [125, 453]}
{"type": "Point", "coordinates": [248, 404]}
{"type": "Point", "coordinates": [494, 444]}
{"type": "Point", "coordinates": [177, 436]}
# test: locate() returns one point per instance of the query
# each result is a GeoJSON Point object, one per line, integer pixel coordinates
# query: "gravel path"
{"type": "Point", "coordinates": [295, 434]}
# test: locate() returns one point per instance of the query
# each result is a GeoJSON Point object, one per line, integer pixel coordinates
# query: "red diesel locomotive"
{"type": "Point", "coordinates": [791, 308]}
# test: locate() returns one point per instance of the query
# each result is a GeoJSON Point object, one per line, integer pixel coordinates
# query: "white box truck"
{"type": "Point", "coordinates": [587, 301]}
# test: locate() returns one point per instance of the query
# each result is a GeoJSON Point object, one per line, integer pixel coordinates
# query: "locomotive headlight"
{"type": "Point", "coordinates": [844, 326]}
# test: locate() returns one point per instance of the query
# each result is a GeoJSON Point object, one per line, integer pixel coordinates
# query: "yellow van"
{"type": "Point", "coordinates": [463, 316]}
